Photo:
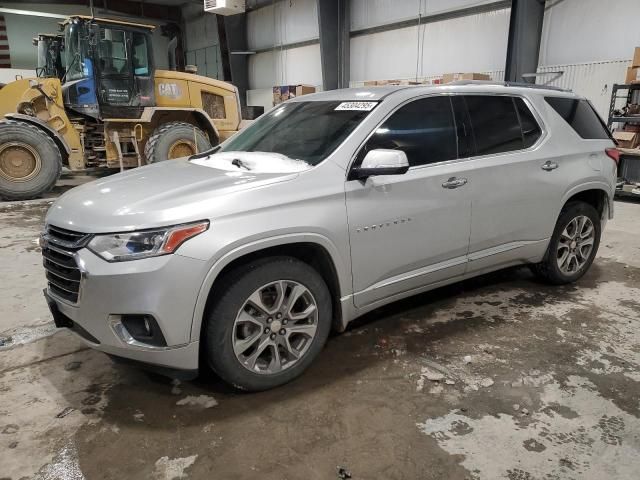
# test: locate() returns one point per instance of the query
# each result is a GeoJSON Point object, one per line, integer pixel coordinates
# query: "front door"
{"type": "Point", "coordinates": [412, 230]}
{"type": "Point", "coordinates": [125, 72]}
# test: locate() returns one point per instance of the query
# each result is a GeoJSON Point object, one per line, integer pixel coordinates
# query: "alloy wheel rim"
{"type": "Point", "coordinates": [19, 162]}
{"type": "Point", "coordinates": [575, 245]}
{"type": "Point", "coordinates": [275, 327]}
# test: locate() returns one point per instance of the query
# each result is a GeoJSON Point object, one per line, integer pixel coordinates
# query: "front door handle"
{"type": "Point", "coordinates": [454, 182]}
{"type": "Point", "coordinates": [549, 165]}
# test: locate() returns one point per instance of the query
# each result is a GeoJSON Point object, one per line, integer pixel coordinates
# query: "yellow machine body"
{"type": "Point", "coordinates": [211, 105]}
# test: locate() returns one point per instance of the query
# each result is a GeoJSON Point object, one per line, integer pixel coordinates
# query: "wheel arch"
{"type": "Point", "coordinates": [194, 116]}
{"type": "Point", "coordinates": [596, 194]}
{"type": "Point", "coordinates": [314, 250]}
{"type": "Point", "coordinates": [65, 150]}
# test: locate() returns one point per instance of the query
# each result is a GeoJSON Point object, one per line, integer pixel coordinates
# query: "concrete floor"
{"type": "Point", "coordinates": [498, 377]}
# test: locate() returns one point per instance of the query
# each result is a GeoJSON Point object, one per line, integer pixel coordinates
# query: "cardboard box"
{"type": "Point", "coordinates": [636, 58]}
{"type": "Point", "coordinates": [626, 139]}
{"type": "Point", "coordinates": [297, 90]}
{"type": "Point", "coordinates": [277, 96]}
{"type": "Point", "coordinates": [370, 83]}
{"type": "Point", "coordinates": [631, 127]}
{"type": "Point", "coordinates": [454, 77]}
{"type": "Point", "coordinates": [633, 75]}
{"type": "Point", "coordinates": [283, 93]}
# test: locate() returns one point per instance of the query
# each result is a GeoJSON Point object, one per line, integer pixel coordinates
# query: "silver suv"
{"type": "Point", "coordinates": [328, 206]}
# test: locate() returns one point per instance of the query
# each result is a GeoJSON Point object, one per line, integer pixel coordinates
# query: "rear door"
{"type": "Point", "coordinates": [514, 196]}
{"type": "Point", "coordinates": [411, 230]}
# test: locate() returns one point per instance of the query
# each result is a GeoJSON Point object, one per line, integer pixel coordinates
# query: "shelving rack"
{"type": "Point", "coordinates": [629, 89]}
{"type": "Point", "coordinates": [629, 167]}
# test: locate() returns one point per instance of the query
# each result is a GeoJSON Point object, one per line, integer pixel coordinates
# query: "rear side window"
{"type": "Point", "coordinates": [580, 115]}
{"type": "Point", "coordinates": [495, 124]}
{"type": "Point", "coordinates": [424, 129]}
{"type": "Point", "coordinates": [530, 128]}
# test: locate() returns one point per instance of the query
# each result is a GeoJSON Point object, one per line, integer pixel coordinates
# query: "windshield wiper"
{"type": "Point", "coordinates": [239, 163]}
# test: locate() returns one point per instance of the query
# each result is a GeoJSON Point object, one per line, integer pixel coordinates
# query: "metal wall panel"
{"type": "Point", "coordinates": [475, 43]}
{"type": "Point", "coordinates": [577, 31]}
{"type": "Point", "coordinates": [371, 13]}
{"type": "Point", "coordinates": [285, 67]}
{"type": "Point", "coordinates": [282, 23]}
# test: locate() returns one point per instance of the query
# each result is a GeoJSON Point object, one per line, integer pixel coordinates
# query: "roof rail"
{"type": "Point", "coordinates": [508, 84]}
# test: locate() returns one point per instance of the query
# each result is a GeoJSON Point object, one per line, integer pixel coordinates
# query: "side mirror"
{"type": "Point", "coordinates": [381, 162]}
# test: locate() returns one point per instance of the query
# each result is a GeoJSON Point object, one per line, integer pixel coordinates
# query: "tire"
{"type": "Point", "coordinates": [30, 161]}
{"type": "Point", "coordinates": [175, 140]}
{"type": "Point", "coordinates": [222, 330]}
{"type": "Point", "coordinates": [549, 269]}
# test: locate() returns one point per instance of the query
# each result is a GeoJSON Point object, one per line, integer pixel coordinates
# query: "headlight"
{"type": "Point", "coordinates": [119, 247]}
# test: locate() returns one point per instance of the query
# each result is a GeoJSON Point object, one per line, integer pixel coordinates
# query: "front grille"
{"type": "Point", "coordinates": [59, 246]}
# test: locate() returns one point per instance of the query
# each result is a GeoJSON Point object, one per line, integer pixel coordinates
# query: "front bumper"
{"type": "Point", "coordinates": [164, 287]}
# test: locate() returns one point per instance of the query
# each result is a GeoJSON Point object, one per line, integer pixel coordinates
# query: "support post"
{"type": "Point", "coordinates": [232, 35]}
{"type": "Point", "coordinates": [333, 23]}
{"type": "Point", "coordinates": [525, 32]}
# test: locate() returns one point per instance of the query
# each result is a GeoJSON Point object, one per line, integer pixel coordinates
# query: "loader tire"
{"type": "Point", "coordinates": [30, 161]}
{"type": "Point", "coordinates": [175, 140]}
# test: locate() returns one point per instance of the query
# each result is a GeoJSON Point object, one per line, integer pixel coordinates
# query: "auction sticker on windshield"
{"type": "Point", "coordinates": [360, 106]}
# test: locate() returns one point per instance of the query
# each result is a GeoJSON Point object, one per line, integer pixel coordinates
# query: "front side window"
{"type": "Point", "coordinates": [113, 51]}
{"type": "Point", "coordinates": [308, 131]}
{"type": "Point", "coordinates": [495, 124]}
{"type": "Point", "coordinates": [423, 129]}
{"type": "Point", "coordinates": [77, 65]}
{"type": "Point", "coordinates": [140, 55]}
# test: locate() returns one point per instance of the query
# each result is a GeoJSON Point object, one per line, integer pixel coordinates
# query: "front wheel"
{"type": "Point", "coordinates": [175, 140]}
{"type": "Point", "coordinates": [573, 246]}
{"type": "Point", "coordinates": [269, 323]}
{"type": "Point", "coordinates": [30, 161]}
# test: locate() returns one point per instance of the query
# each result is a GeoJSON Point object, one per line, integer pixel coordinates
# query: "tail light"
{"type": "Point", "coordinates": [613, 154]}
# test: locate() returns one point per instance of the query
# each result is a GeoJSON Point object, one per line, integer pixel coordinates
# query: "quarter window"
{"type": "Point", "coordinates": [495, 124]}
{"type": "Point", "coordinates": [580, 115]}
{"type": "Point", "coordinates": [424, 129]}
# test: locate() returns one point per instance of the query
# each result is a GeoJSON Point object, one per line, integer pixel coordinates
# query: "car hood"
{"type": "Point", "coordinates": [166, 193]}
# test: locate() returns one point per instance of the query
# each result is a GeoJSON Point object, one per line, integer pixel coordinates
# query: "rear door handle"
{"type": "Point", "coordinates": [454, 182]}
{"type": "Point", "coordinates": [549, 165]}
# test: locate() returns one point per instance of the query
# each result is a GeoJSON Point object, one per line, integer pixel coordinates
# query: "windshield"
{"type": "Point", "coordinates": [307, 131]}
{"type": "Point", "coordinates": [76, 62]}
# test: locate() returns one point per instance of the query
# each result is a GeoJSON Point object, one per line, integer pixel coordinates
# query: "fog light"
{"type": "Point", "coordinates": [138, 329]}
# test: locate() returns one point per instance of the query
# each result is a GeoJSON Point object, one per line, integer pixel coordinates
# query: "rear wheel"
{"type": "Point", "coordinates": [573, 246]}
{"type": "Point", "coordinates": [175, 140]}
{"type": "Point", "coordinates": [269, 323]}
{"type": "Point", "coordinates": [30, 161]}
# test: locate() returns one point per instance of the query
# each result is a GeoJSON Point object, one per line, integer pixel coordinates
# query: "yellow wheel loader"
{"type": "Point", "coordinates": [110, 109]}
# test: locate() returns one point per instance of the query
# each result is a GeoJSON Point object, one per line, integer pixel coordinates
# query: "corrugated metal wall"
{"type": "Point", "coordinates": [286, 22]}
{"type": "Point", "coordinates": [468, 44]}
{"type": "Point", "coordinates": [371, 13]}
{"type": "Point", "coordinates": [580, 31]}
{"type": "Point", "coordinates": [590, 40]}
{"type": "Point", "coordinates": [282, 23]}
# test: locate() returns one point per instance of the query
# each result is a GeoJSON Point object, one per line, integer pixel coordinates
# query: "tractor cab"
{"type": "Point", "coordinates": [50, 49]}
{"type": "Point", "coordinates": [109, 67]}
